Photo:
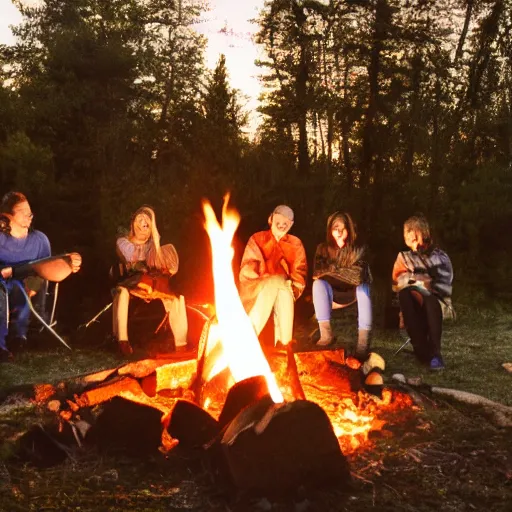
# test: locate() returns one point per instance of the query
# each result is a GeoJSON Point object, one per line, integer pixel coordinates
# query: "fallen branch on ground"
{"type": "Point", "coordinates": [501, 414]}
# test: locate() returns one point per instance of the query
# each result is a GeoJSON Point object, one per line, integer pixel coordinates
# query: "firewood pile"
{"type": "Point", "coordinates": [248, 441]}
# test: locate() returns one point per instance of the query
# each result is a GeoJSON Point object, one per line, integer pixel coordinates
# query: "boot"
{"type": "Point", "coordinates": [125, 347]}
{"type": "Point", "coordinates": [363, 344]}
{"type": "Point", "coordinates": [326, 336]}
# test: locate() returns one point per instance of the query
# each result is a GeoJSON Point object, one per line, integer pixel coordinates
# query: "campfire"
{"type": "Point", "coordinates": [239, 403]}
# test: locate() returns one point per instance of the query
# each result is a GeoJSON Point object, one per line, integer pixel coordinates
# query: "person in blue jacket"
{"type": "Point", "coordinates": [18, 244]}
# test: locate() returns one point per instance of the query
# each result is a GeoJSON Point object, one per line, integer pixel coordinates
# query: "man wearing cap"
{"type": "Point", "coordinates": [273, 274]}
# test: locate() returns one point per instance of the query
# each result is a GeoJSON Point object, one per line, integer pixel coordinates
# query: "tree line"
{"type": "Point", "coordinates": [382, 108]}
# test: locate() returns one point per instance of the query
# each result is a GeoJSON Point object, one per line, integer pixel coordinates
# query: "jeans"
{"type": "Point", "coordinates": [14, 305]}
{"type": "Point", "coordinates": [323, 298]}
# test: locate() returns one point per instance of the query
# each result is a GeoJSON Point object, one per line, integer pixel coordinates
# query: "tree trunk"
{"type": "Point", "coordinates": [301, 80]}
{"type": "Point", "coordinates": [410, 128]}
{"type": "Point", "coordinates": [435, 167]}
{"type": "Point", "coordinates": [345, 131]}
{"type": "Point", "coordinates": [462, 39]}
{"type": "Point", "coordinates": [370, 131]}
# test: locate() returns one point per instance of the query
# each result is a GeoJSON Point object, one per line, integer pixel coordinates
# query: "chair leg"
{"type": "Point", "coordinates": [52, 321]}
{"type": "Point", "coordinates": [96, 316]}
{"type": "Point", "coordinates": [40, 318]}
{"type": "Point", "coordinates": [162, 323]}
{"type": "Point", "coordinates": [408, 340]}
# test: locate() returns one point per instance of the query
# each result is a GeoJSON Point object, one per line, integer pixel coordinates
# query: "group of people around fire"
{"type": "Point", "coordinates": [272, 277]}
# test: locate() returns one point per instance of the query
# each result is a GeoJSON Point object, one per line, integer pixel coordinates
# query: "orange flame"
{"type": "Point", "coordinates": [241, 348]}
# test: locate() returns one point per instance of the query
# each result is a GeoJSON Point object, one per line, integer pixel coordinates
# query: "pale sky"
{"type": "Point", "coordinates": [229, 31]}
{"type": "Point", "coordinates": [227, 28]}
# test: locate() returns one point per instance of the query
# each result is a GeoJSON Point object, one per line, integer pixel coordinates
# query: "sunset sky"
{"type": "Point", "coordinates": [227, 28]}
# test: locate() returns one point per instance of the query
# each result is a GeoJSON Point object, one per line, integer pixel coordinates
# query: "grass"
{"type": "Point", "coordinates": [474, 348]}
{"type": "Point", "coordinates": [445, 457]}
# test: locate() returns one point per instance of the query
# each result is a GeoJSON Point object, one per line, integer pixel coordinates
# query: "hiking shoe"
{"type": "Point", "coordinates": [437, 363]}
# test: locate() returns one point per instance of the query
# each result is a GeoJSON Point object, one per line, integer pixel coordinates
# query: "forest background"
{"type": "Point", "coordinates": [382, 108]}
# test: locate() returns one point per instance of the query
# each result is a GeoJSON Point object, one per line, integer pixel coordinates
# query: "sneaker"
{"type": "Point", "coordinates": [437, 363]}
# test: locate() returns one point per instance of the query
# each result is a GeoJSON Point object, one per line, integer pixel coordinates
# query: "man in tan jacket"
{"type": "Point", "coordinates": [273, 274]}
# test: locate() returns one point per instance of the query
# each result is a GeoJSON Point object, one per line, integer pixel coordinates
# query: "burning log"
{"type": "Point", "coordinates": [326, 369]}
{"type": "Point", "coordinates": [277, 448]}
{"type": "Point", "coordinates": [291, 370]}
{"type": "Point", "coordinates": [145, 367]}
{"type": "Point", "coordinates": [241, 395]}
{"type": "Point", "coordinates": [108, 391]}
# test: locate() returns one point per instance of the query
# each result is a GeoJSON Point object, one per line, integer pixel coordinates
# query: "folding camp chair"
{"type": "Point", "coordinates": [448, 314]}
{"type": "Point", "coordinates": [38, 315]}
{"type": "Point", "coordinates": [117, 274]}
{"type": "Point", "coordinates": [406, 340]}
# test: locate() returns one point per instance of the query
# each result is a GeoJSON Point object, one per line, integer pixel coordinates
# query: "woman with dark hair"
{"type": "Point", "coordinates": [423, 279]}
{"type": "Point", "coordinates": [340, 276]}
{"type": "Point", "coordinates": [18, 244]}
{"type": "Point", "coordinates": [150, 267]}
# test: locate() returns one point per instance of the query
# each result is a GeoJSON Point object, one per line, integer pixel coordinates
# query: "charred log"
{"type": "Point", "coordinates": [191, 425]}
{"type": "Point", "coordinates": [277, 449]}
{"type": "Point", "coordinates": [46, 446]}
{"type": "Point", "coordinates": [127, 427]}
{"type": "Point", "coordinates": [241, 395]}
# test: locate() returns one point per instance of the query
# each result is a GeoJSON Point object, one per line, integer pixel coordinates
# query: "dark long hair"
{"type": "Point", "coordinates": [349, 226]}
{"type": "Point", "coordinates": [9, 201]}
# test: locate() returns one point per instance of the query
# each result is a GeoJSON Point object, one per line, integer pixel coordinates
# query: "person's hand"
{"type": "Point", "coordinates": [423, 280]}
{"type": "Point", "coordinates": [404, 279]}
{"type": "Point", "coordinates": [154, 229]}
{"type": "Point", "coordinates": [76, 261]}
{"type": "Point", "coordinates": [6, 272]}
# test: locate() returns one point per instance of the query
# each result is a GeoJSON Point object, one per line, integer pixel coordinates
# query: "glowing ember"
{"type": "Point", "coordinates": [242, 350]}
{"type": "Point", "coordinates": [352, 423]}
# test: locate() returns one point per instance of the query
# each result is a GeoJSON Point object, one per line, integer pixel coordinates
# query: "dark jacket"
{"type": "Point", "coordinates": [343, 268]}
